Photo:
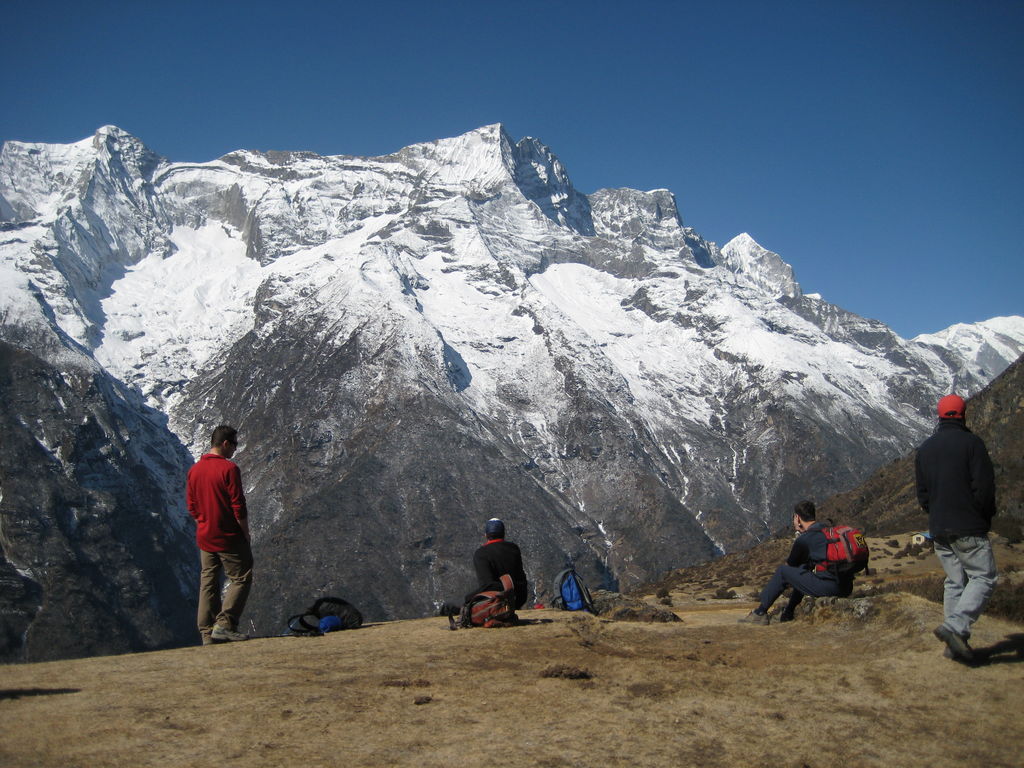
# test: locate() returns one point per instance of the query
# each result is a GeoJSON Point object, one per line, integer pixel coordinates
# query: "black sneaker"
{"type": "Point", "coordinates": [956, 644]}
{"type": "Point", "coordinates": [786, 616]}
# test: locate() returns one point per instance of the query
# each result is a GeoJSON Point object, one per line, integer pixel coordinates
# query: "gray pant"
{"type": "Point", "coordinates": [970, 578]}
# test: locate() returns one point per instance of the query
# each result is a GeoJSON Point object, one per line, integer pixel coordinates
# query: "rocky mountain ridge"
{"type": "Point", "coordinates": [413, 343]}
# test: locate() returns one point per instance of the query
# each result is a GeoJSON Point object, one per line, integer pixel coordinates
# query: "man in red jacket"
{"type": "Point", "coordinates": [217, 503]}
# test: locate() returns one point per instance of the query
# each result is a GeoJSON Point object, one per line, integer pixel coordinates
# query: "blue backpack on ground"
{"type": "Point", "coordinates": [571, 594]}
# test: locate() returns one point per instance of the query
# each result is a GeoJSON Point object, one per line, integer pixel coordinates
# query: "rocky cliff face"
{"type": "Point", "coordinates": [414, 343]}
{"type": "Point", "coordinates": [89, 562]}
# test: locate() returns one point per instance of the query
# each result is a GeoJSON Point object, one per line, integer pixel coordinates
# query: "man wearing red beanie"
{"type": "Point", "coordinates": [956, 487]}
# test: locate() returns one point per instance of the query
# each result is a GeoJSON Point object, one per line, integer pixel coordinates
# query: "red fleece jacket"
{"type": "Point", "coordinates": [215, 500]}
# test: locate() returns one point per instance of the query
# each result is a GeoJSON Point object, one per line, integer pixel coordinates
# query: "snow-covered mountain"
{"type": "Point", "coordinates": [411, 344]}
{"type": "Point", "coordinates": [984, 347]}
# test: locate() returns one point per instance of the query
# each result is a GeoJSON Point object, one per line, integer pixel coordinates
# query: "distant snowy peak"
{"type": "Point", "coordinates": [760, 267]}
{"type": "Point", "coordinates": [119, 148]}
{"type": "Point", "coordinates": [32, 175]}
{"type": "Point", "coordinates": [37, 179]}
{"type": "Point", "coordinates": [477, 163]}
{"type": "Point", "coordinates": [986, 346]}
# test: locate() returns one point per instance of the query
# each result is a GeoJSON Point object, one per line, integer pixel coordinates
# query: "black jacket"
{"type": "Point", "coordinates": [955, 481]}
{"type": "Point", "coordinates": [498, 557]}
{"type": "Point", "coordinates": [809, 549]}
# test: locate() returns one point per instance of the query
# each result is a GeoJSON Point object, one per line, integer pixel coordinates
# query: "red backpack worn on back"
{"type": "Point", "coordinates": [847, 552]}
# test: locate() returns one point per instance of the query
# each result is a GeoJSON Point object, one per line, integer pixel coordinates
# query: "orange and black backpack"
{"type": "Point", "coordinates": [489, 608]}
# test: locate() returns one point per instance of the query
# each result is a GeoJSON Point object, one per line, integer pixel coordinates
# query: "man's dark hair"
{"type": "Point", "coordinates": [805, 511]}
{"type": "Point", "coordinates": [222, 433]}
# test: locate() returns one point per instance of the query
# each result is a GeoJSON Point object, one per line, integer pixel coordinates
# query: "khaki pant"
{"type": "Point", "coordinates": [237, 568]}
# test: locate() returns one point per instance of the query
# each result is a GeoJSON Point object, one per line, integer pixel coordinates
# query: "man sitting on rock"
{"type": "Point", "coordinates": [798, 572]}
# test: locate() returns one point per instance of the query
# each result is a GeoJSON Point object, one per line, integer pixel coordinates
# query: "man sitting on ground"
{"type": "Point", "coordinates": [798, 572]}
{"type": "Point", "coordinates": [496, 557]}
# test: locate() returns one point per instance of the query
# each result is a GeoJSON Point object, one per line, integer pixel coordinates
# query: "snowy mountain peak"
{"type": "Point", "coordinates": [111, 133]}
{"type": "Point", "coordinates": [759, 267]}
{"type": "Point", "coordinates": [477, 163]}
{"type": "Point", "coordinates": [542, 178]}
{"type": "Point", "coordinates": [115, 147]}
{"type": "Point", "coordinates": [985, 346]}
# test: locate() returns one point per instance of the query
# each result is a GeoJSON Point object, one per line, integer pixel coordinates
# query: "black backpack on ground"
{"type": "Point", "coordinates": [327, 614]}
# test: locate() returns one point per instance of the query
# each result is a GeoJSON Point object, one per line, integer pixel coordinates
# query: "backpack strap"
{"type": "Point", "coordinates": [304, 624]}
{"type": "Point", "coordinates": [557, 588]}
{"type": "Point", "coordinates": [328, 605]}
{"type": "Point", "coordinates": [588, 601]}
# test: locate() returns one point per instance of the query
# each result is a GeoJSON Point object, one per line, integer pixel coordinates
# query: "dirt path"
{"type": "Point", "coordinates": [706, 692]}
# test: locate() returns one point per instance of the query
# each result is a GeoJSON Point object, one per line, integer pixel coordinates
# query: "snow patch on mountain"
{"type": "Point", "coordinates": [169, 313]}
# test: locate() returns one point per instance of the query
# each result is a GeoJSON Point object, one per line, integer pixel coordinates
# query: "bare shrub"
{"type": "Point", "coordinates": [1007, 601]}
{"type": "Point", "coordinates": [567, 672]}
{"type": "Point", "coordinates": [1008, 527]}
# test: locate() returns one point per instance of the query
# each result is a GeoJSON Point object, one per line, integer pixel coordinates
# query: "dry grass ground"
{"type": "Point", "coordinates": [561, 690]}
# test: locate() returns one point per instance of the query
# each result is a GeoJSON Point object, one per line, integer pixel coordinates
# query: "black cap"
{"type": "Point", "coordinates": [495, 529]}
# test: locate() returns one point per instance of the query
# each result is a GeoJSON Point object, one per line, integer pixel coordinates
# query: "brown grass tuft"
{"type": "Point", "coordinates": [567, 672]}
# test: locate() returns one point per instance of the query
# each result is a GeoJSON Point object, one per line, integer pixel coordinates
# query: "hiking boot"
{"type": "Point", "coordinates": [786, 616]}
{"type": "Point", "coordinates": [224, 635]}
{"type": "Point", "coordinates": [207, 640]}
{"type": "Point", "coordinates": [956, 644]}
{"type": "Point", "coordinates": [755, 618]}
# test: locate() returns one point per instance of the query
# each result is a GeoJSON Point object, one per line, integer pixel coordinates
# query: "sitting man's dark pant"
{"type": "Point", "coordinates": [803, 582]}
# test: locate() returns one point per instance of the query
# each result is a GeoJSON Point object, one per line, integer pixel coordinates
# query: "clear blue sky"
{"type": "Point", "coordinates": [877, 145]}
